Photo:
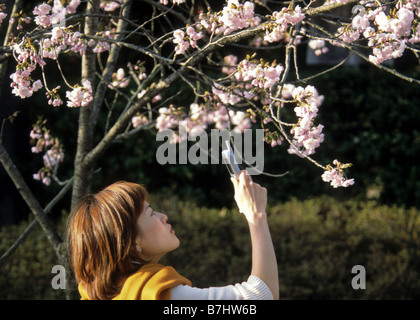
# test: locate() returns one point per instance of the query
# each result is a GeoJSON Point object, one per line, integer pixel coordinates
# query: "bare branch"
{"type": "Point", "coordinates": [7, 255]}
{"type": "Point", "coordinates": [33, 204]}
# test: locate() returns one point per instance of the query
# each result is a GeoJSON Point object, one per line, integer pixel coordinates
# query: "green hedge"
{"type": "Point", "coordinates": [317, 242]}
{"type": "Point", "coordinates": [27, 275]}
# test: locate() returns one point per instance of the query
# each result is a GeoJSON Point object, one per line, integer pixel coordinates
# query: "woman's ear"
{"type": "Point", "coordinates": [138, 248]}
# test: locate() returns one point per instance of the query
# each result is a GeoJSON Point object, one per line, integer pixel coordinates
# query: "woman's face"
{"type": "Point", "coordinates": [155, 237]}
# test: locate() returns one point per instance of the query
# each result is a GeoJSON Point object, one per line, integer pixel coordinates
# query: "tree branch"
{"type": "Point", "coordinates": [328, 7]}
{"type": "Point", "coordinates": [111, 63]}
{"type": "Point", "coordinates": [33, 204]}
{"type": "Point", "coordinates": [82, 171]}
{"type": "Point", "coordinates": [6, 256]}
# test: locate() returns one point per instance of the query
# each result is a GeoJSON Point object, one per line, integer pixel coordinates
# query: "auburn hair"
{"type": "Point", "coordinates": [101, 238]}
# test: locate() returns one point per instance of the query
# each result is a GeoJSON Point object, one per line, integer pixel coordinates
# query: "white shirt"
{"type": "Point", "coordinates": [253, 289]}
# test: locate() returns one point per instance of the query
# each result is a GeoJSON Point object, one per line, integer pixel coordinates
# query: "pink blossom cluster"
{"type": "Point", "coordinates": [272, 138]}
{"type": "Point", "coordinates": [166, 2]}
{"type": "Point", "coordinates": [226, 96]}
{"type": "Point", "coordinates": [230, 64]}
{"type": "Point", "coordinates": [22, 19]}
{"type": "Point", "coordinates": [252, 79]}
{"type": "Point", "coordinates": [119, 80]}
{"type": "Point", "coordinates": [22, 83]}
{"type": "Point", "coordinates": [233, 17]}
{"type": "Point", "coordinates": [61, 39]}
{"type": "Point", "coordinates": [102, 46]}
{"type": "Point", "coordinates": [416, 35]}
{"type": "Point", "coordinates": [53, 97]}
{"type": "Point", "coordinates": [200, 116]}
{"type": "Point", "coordinates": [139, 120]}
{"type": "Point", "coordinates": [167, 118]}
{"type": "Point", "coordinates": [348, 34]}
{"type": "Point", "coordinates": [138, 69]}
{"type": "Point", "coordinates": [47, 15]}
{"type": "Point", "coordinates": [306, 136]}
{"type": "Point", "coordinates": [236, 16]}
{"type": "Point", "coordinates": [2, 14]}
{"type": "Point", "coordinates": [385, 46]}
{"type": "Point", "coordinates": [110, 6]}
{"type": "Point", "coordinates": [318, 46]}
{"type": "Point", "coordinates": [219, 116]}
{"type": "Point", "coordinates": [184, 40]}
{"type": "Point", "coordinates": [80, 96]}
{"type": "Point", "coordinates": [280, 20]}
{"type": "Point", "coordinates": [53, 152]}
{"type": "Point", "coordinates": [240, 120]}
{"type": "Point", "coordinates": [336, 176]}
{"type": "Point", "coordinates": [72, 6]}
{"type": "Point", "coordinates": [259, 74]}
{"type": "Point", "coordinates": [336, 2]}
{"type": "Point", "coordinates": [387, 34]}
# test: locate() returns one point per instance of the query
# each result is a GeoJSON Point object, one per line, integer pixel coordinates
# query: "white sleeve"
{"type": "Point", "coordinates": [253, 289]}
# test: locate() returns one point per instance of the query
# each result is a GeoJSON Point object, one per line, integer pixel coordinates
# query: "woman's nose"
{"type": "Point", "coordinates": [164, 217]}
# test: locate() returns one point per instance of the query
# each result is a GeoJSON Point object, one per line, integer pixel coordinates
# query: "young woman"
{"type": "Point", "coordinates": [115, 240]}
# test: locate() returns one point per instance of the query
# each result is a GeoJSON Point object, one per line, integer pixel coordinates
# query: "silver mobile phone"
{"type": "Point", "coordinates": [230, 161]}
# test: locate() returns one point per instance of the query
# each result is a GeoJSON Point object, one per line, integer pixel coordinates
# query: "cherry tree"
{"type": "Point", "coordinates": [214, 47]}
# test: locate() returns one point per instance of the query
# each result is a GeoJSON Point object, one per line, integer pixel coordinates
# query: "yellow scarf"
{"type": "Point", "coordinates": [150, 282]}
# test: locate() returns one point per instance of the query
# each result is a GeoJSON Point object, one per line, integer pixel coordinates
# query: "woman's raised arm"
{"type": "Point", "coordinates": [251, 199]}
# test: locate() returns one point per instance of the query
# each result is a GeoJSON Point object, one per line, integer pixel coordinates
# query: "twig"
{"type": "Point", "coordinates": [379, 66]}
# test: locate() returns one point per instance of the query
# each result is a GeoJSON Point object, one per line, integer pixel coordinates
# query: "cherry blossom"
{"type": "Point", "coordinates": [72, 6]}
{"type": "Point", "coordinates": [184, 40]}
{"type": "Point", "coordinates": [22, 83]}
{"type": "Point", "coordinates": [139, 120]}
{"type": "Point", "coordinates": [387, 34]}
{"type": "Point", "coordinates": [119, 80]}
{"type": "Point", "coordinates": [230, 64]}
{"type": "Point", "coordinates": [166, 2]}
{"type": "Point", "coordinates": [360, 23]}
{"type": "Point", "coordinates": [318, 46]}
{"type": "Point", "coordinates": [236, 16]}
{"type": "Point", "coordinates": [102, 46]}
{"type": "Point", "coordinates": [306, 136]}
{"type": "Point", "coordinates": [335, 175]}
{"type": "Point", "coordinates": [110, 6]}
{"type": "Point", "coordinates": [225, 96]}
{"type": "Point", "coordinates": [53, 97]}
{"type": "Point", "coordinates": [260, 74]}
{"type": "Point", "coordinates": [80, 96]}
{"type": "Point", "coordinates": [47, 15]}
{"type": "Point", "coordinates": [280, 20]}
{"type": "Point", "coordinates": [2, 17]}
{"type": "Point", "coordinates": [166, 119]}
{"type": "Point", "coordinates": [53, 151]}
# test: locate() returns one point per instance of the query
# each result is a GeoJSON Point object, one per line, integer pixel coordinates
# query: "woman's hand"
{"type": "Point", "coordinates": [250, 197]}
